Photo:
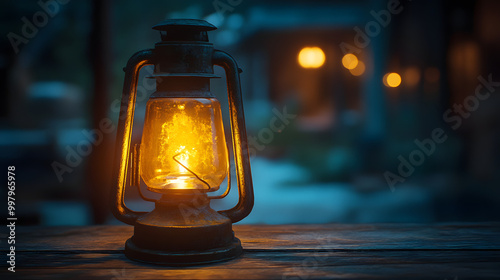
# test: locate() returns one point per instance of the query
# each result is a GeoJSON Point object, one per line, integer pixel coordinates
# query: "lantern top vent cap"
{"type": "Point", "coordinates": [184, 29]}
{"type": "Point", "coordinates": [194, 24]}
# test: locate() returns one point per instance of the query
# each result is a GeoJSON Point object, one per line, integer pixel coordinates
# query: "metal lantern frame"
{"type": "Point", "coordinates": [166, 235]}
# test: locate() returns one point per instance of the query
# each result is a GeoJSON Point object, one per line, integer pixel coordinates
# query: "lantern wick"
{"type": "Point", "coordinates": [190, 171]}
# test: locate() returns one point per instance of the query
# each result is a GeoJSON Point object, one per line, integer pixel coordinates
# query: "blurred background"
{"type": "Point", "coordinates": [357, 111]}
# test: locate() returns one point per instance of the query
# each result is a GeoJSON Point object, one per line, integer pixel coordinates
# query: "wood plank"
{"type": "Point", "coordinates": [332, 236]}
{"type": "Point", "coordinates": [97, 260]}
{"type": "Point", "coordinates": [382, 251]}
{"type": "Point", "coordinates": [254, 265]}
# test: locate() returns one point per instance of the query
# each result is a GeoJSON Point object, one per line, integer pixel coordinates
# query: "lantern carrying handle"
{"type": "Point", "coordinates": [240, 144]}
{"type": "Point", "coordinates": [123, 136]}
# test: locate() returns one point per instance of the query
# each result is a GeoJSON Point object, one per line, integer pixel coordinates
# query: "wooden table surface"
{"type": "Point", "coordinates": [333, 251]}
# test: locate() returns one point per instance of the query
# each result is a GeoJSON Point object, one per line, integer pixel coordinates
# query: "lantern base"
{"type": "Point", "coordinates": [183, 230]}
{"type": "Point", "coordinates": [183, 258]}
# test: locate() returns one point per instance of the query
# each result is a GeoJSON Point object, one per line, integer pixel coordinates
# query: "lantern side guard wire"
{"type": "Point", "coordinates": [135, 176]}
{"type": "Point", "coordinates": [123, 135]}
{"type": "Point", "coordinates": [240, 145]}
{"type": "Point", "coordinates": [228, 188]}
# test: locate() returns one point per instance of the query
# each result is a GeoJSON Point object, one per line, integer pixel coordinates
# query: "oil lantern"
{"type": "Point", "coordinates": [183, 153]}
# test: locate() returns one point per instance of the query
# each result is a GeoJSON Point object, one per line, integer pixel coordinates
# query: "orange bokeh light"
{"type": "Point", "coordinates": [350, 61]}
{"type": "Point", "coordinates": [311, 57]}
{"type": "Point", "coordinates": [392, 79]}
{"type": "Point", "coordinates": [359, 69]}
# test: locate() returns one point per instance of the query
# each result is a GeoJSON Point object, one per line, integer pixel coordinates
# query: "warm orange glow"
{"type": "Point", "coordinates": [359, 69]}
{"type": "Point", "coordinates": [182, 142]}
{"type": "Point", "coordinates": [411, 76]}
{"type": "Point", "coordinates": [350, 61]}
{"type": "Point", "coordinates": [392, 80]}
{"type": "Point", "coordinates": [432, 74]}
{"type": "Point", "coordinates": [311, 57]}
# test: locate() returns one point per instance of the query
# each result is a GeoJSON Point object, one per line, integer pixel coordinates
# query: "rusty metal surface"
{"type": "Point", "coordinates": [239, 133]}
{"type": "Point", "coordinates": [123, 134]}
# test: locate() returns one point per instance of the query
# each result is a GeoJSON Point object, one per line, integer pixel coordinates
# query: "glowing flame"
{"type": "Point", "coordinates": [183, 144]}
